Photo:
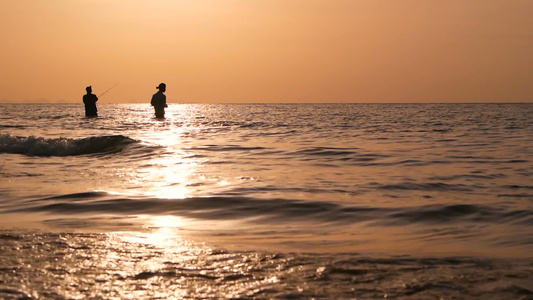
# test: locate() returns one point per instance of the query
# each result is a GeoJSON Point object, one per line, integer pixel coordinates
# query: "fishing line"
{"type": "Point", "coordinates": [107, 90]}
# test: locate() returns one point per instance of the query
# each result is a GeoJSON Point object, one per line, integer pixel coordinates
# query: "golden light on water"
{"type": "Point", "coordinates": [170, 176]}
{"type": "Point", "coordinates": [162, 231]}
{"type": "Point", "coordinates": [172, 172]}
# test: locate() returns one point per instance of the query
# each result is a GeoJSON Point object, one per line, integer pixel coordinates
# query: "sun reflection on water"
{"type": "Point", "coordinates": [162, 232]}
{"type": "Point", "coordinates": [169, 173]}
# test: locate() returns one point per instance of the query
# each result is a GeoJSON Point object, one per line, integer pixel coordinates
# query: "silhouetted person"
{"type": "Point", "coordinates": [159, 101]}
{"type": "Point", "coordinates": [89, 100]}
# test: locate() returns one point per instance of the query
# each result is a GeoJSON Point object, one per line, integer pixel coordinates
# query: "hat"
{"type": "Point", "coordinates": [161, 85]}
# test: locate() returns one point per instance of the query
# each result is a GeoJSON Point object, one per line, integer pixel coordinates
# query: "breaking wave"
{"type": "Point", "coordinates": [39, 146]}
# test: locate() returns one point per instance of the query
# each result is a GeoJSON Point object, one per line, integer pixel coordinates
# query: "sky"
{"type": "Point", "coordinates": [212, 51]}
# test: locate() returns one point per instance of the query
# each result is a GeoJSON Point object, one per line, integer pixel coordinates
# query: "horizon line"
{"type": "Point", "coordinates": [147, 102]}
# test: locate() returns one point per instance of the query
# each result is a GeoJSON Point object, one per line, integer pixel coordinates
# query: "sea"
{"type": "Point", "coordinates": [267, 201]}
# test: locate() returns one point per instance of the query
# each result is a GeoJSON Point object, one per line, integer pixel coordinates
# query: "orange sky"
{"type": "Point", "coordinates": [267, 50]}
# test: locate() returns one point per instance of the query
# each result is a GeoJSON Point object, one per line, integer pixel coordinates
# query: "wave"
{"type": "Point", "coordinates": [39, 146]}
{"type": "Point", "coordinates": [12, 126]}
{"type": "Point", "coordinates": [222, 148]}
{"type": "Point", "coordinates": [277, 209]}
{"type": "Point", "coordinates": [343, 155]}
{"type": "Point", "coordinates": [429, 186]}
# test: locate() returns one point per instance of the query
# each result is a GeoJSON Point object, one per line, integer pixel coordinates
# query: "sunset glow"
{"type": "Point", "coordinates": [267, 51]}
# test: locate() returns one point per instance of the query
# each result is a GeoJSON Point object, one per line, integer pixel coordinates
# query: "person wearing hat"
{"type": "Point", "coordinates": [89, 100]}
{"type": "Point", "coordinates": [159, 101]}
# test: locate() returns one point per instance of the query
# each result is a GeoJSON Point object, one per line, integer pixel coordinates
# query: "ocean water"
{"type": "Point", "coordinates": [290, 201]}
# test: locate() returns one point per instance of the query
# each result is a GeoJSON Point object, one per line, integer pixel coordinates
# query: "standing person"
{"type": "Point", "coordinates": [89, 100]}
{"type": "Point", "coordinates": [159, 101]}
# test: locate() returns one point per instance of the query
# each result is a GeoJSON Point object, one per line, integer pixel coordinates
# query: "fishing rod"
{"type": "Point", "coordinates": [107, 90]}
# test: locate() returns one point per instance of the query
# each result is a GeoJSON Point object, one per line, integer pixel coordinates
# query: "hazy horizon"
{"type": "Point", "coordinates": [44, 101]}
{"type": "Point", "coordinates": [276, 51]}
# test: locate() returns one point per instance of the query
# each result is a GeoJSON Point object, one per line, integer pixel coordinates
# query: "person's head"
{"type": "Point", "coordinates": [162, 87]}
{"type": "Point", "coordinates": [89, 89]}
